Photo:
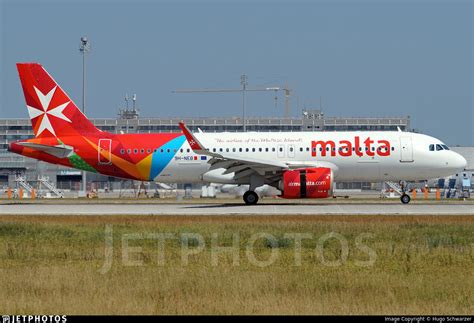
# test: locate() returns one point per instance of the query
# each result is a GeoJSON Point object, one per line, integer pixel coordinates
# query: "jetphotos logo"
{"type": "Point", "coordinates": [347, 148]}
{"type": "Point", "coordinates": [33, 319]}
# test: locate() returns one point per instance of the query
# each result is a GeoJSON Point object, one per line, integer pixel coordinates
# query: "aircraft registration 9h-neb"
{"type": "Point", "coordinates": [299, 164]}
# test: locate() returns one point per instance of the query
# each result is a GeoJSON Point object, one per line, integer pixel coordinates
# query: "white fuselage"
{"type": "Point", "coordinates": [353, 156]}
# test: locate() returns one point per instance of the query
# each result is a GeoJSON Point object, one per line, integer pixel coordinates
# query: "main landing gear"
{"type": "Point", "coordinates": [250, 198]}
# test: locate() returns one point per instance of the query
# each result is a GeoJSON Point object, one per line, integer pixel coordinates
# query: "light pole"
{"type": "Point", "coordinates": [244, 83]}
{"type": "Point", "coordinates": [84, 48]}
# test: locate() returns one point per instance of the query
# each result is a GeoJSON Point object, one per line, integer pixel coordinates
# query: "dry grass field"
{"type": "Point", "coordinates": [420, 265]}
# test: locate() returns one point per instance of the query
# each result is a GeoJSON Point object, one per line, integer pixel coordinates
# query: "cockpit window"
{"type": "Point", "coordinates": [438, 147]}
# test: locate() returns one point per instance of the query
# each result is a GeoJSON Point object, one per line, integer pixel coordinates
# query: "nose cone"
{"type": "Point", "coordinates": [458, 162]}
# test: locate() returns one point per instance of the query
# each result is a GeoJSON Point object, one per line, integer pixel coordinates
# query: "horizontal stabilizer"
{"type": "Point", "coordinates": [60, 151]}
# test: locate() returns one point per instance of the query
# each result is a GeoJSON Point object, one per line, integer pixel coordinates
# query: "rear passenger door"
{"type": "Point", "coordinates": [105, 152]}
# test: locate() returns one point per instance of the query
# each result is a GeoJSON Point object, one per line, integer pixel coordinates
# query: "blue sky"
{"type": "Point", "coordinates": [364, 58]}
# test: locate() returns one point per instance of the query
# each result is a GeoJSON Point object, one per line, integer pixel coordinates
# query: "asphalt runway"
{"type": "Point", "coordinates": [235, 209]}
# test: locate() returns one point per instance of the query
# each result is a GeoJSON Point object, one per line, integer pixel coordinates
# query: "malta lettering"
{"type": "Point", "coordinates": [346, 148]}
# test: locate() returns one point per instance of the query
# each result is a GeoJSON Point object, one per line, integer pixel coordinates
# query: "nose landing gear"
{"type": "Point", "coordinates": [405, 198]}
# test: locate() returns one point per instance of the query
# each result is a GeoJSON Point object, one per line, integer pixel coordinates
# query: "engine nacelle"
{"type": "Point", "coordinates": [307, 183]}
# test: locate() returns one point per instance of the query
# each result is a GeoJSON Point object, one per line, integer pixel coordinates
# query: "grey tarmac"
{"type": "Point", "coordinates": [236, 209]}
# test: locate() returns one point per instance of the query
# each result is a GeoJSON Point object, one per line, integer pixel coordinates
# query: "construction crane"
{"type": "Point", "coordinates": [243, 90]}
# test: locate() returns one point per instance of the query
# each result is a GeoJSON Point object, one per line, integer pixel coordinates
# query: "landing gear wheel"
{"type": "Point", "coordinates": [405, 199]}
{"type": "Point", "coordinates": [250, 198]}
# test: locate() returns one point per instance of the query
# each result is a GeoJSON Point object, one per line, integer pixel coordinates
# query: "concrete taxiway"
{"type": "Point", "coordinates": [235, 209]}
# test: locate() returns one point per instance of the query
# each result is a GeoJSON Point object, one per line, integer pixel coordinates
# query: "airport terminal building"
{"type": "Point", "coordinates": [15, 168]}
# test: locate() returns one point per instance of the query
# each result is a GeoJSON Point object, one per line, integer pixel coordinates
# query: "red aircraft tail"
{"type": "Point", "coordinates": [52, 112]}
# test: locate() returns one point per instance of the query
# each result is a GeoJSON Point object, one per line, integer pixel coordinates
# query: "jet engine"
{"type": "Point", "coordinates": [307, 183]}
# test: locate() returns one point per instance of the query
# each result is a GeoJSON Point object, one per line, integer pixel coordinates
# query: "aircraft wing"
{"type": "Point", "coordinates": [240, 165]}
{"type": "Point", "coordinates": [60, 151]}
